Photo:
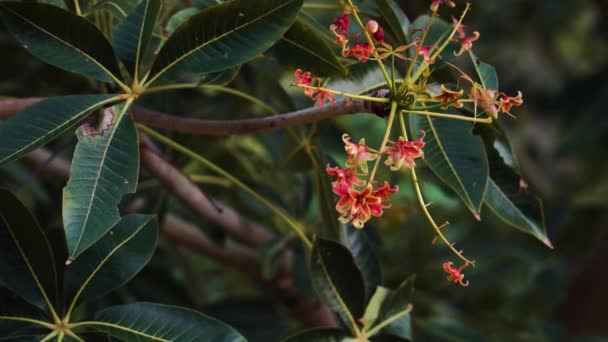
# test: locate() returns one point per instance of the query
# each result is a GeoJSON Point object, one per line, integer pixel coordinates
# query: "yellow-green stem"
{"type": "Point", "coordinates": [350, 96]}
{"type": "Point", "coordinates": [77, 7]}
{"type": "Point", "coordinates": [449, 116]}
{"type": "Point", "coordinates": [206, 179]}
{"type": "Point", "coordinates": [388, 321]}
{"type": "Point", "coordinates": [418, 46]}
{"type": "Point", "coordinates": [212, 166]}
{"type": "Point", "coordinates": [423, 205]}
{"type": "Point", "coordinates": [28, 320]}
{"type": "Point", "coordinates": [50, 336]}
{"type": "Point", "coordinates": [389, 125]}
{"type": "Point", "coordinates": [371, 43]}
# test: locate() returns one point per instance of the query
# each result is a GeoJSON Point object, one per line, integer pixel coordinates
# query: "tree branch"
{"type": "Point", "coordinates": [180, 124]}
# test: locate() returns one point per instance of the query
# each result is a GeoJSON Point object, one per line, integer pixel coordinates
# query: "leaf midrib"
{"type": "Point", "coordinates": [519, 212]}
{"type": "Point", "coordinates": [212, 40]}
{"type": "Point", "coordinates": [332, 63]}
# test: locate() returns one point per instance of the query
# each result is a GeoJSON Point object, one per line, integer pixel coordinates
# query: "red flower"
{"type": "Point", "coordinates": [506, 102]}
{"type": "Point", "coordinates": [358, 154]}
{"type": "Point", "coordinates": [361, 51]}
{"type": "Point", "coordinates": [486, 98]}
{"type": "Point", "coordinates": [425, 52]}
{"type": "Point", "coordinates": [384, 191]}
{"type": "Point", "coordinates": [403, 153]}
{"type": "Point", "coordinates": [310, 81]}
{"type": "Point", "coordinates": [342, 22]}
{"type": "Point", "coordinates": [375, 31]}
{"type": "Point", "coordinates": [456, 275]}
{"type": "Point", "coordinates": [346, 179]}
{"type": "Point", "coordinates": [435, 4]}
{"type": "Point", "coordinates": [449, 97]}
{"type": "Point", "coordinates": [467, 43]}
{"type": "Point", "coordinates": [358, 207]}
{"type": "Point", "coordinates": [460, 29]}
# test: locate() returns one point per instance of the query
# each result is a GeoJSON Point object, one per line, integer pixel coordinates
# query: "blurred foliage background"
{"type": "Point", "coordinates": [555, 52]}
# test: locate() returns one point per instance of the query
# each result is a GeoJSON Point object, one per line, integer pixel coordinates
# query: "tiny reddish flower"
{"type": "Point", "coordinates": [384, 191]}
{"type": "Point", "coordinates": [435, 4]}
{"type": "Point", "coordinates": [342, 22]}
{"type": "Point", "coordinates": [358, 206]}
{"type": "Point", "coordinates": [456, 275]}
{"type": "Point", "coordinates": [403, 153]}
{"type": "Point", "coordinates": [460, 28]}
{"type": "Point", "coordinates": [486, 98]}
{"type": "Point", "coordinates": [449, 97]}
{"type": "Point", "coordinates": [467, 43]}
{"type": "Point", "coordinates": [375, 31]}
{"type": "Point", "coordinates": [345, 179]}
{"type": "Point", "coordinates": [506, 102]}
{"type": "Point", "coordinates": [425, 52]}
{"type": "Point", "coordinates": [310, 81]}
{"type": "Point", "coordinates": [361, 51]}
{"type": "Point", "coordinates": [358, 154]}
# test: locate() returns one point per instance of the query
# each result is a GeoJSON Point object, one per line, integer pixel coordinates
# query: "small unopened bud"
{"type": "Point", "coordinates": [372, 26]}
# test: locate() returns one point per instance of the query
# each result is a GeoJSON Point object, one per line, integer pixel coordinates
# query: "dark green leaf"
{"type": "Point", "coordinates": [202, 4]}
{"type": "Point", "coordinates": [120, 8]}
{"type": "Point", "coordinates": [513, 205]}
{"type": "Point", "coordinates": [301, 47]}
{"type": "Point", "coordinates": [360, 246]}
{"type": "Point", "coordinates": [318, 335]}
{"type": "Point", "coordinates": [397, 24]}
{"type": "Point", "coordinates": [456, 156]}
{"type": "Point", "coordinates": [224, 36]}
{"type": "Point", "coordinates": [61, 38]}
{"type": "Point", "coordinates": [27, 264]}
{"type": "Point", "coordinates": [221, 77]}
{"type": "Point", "coordinates": [486, 72]}
{"type": "Point", "coordinates": [330, 226]}
{"type": "Point", "coordinates": [179, 18]}
{"type": "Point", "coordinates": [131, 36]}
{"type": "Point", "coordinates": [271, 255]}
{"type": "Point", "coordinates": [436, 35]}
{"type": "Point", "coordinates": [105, 167]}
{"type": "Point", "coordinates": [156, 322]}
{"type": "Point", "coordinates": [12, 310]}
{"type": "Point", "coordinates": [38, 124]}
{"type": "Point", "coordinates": [337, 279]}
{"type": "Point", "coordinates": [111, 262]}
{"type": "Point", "coordinates": [396, 308]}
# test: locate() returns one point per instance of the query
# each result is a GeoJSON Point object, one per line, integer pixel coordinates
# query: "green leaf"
{"type": "Point", "coordinates": [456, 156]}
{"type": "Point", "coordinates": [271, 255]}
{"type": "Point", "coordinates": [373, 307]}
{"type": "Point", "coordinates": [337, 279]}
{"type": "Point", "coordinates": [395, 310]}
{"type": "Point", "coordinates": [438, 32]}
{"type": "Point", "coordinates": [202, 4]}
{"type": "Point", "coordinates": [156, 322]}
{"type": "Point", "coordinates": [318, 335]}
{"type": "Point", "coordinates": [507, 200]}
{"type": "Point", "coordinates": [111, 262]}
{"type": "Point", "coordinates": [301, 47]}
{"type": "Point", "coordinates": [120, 8]}
{"type": "Point", "coordinates": [397, 24]}
{"type": "Point", "coordinates": [62, 39]}
{"type": "Point", "coordinates": [130, 37]}
{"type": "Point", "coordinates": [360, 246]}
{"type": "Point", "coordinates": [224, 36]}
{"type": "Point", "coordinates": [487, 74]}
{"type": "Point", "coordinates": [14, 313]}
{"type": "Point", "coordinates": [105, 167]}
{"type": "Point", "coordinates": [330, 226]}
{"type": "Point", "coordinates": [40, 123]}
{"type": "Point", "coordinates": [179, 18]}
{"type": "Point", "coordinates": [27, 265]}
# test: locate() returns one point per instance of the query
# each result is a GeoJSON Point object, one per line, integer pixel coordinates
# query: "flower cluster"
{"type": "Point", "coordinates": [312, 87]}
{"type": "Point", "coordinates": [494, 102]}
{"type": "Point", "coordinates": [360, 200]}
{"type": "Point", "coordinates": [360, 51]}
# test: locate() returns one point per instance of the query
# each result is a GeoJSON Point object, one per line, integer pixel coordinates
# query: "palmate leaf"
{"type": "Point", "coordinates": [224, 36]}
{"type": "Point", "coordinates": [105, 167]}
{"type": "Point", "coordinates": [131, 36]}
{"type": "Point", "coordinates": [318, 335]}
{"type": "Point", "coordinates": [302, 47]}
{"type": "Point", "coordinates": [40, 123]}
{"type": "Point", "coordinates": [27, 264]}
{"type": "Point", "coordinates": [456, 156]}
{"type": "Point", "coordinates": [61, 38]}
{"type": "Point", "coordinates": [337, 279]}
{"type": "Point", "coordinates": [156, 322]}
{"type": "Point", "coordinates": [111, 262]}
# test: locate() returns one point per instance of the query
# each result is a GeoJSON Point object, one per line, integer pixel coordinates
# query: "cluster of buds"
{"type": "Point", "coordinates": [359, 199]}
{"type": "Point", "coordinates": [360, 51]}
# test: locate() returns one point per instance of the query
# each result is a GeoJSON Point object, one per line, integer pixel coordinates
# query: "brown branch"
{"type": "Point", "coordinates": [180, 124]}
